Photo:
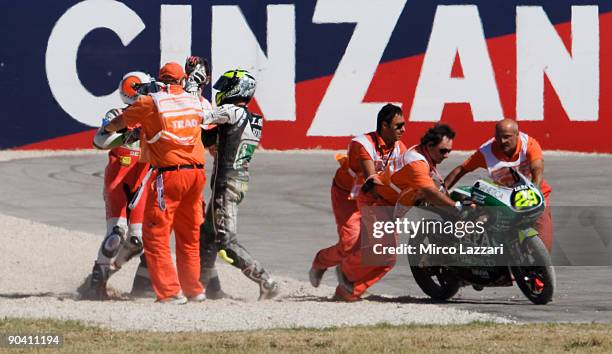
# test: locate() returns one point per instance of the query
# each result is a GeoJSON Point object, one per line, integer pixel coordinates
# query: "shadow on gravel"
{"type": "Point", "coordinates": [454, 301]}
{"type": "Point", "coordinates": [62, 296]}
{"type": "Point", "coordinates": [399, 299]}
{"type": "Point", "coordinates": [371, 297]}
{"type": "Point", "coordinates": [509, 302]}
{"type": "Point", "coordinates": [23, 296]}
{"type": "Point", "coordinates": [307, 298]}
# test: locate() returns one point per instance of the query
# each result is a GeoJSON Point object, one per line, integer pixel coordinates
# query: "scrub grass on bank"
{"type": "Point", "coordinates": [473, 337]}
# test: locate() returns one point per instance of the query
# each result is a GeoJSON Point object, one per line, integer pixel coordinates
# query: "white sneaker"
{"type": "Point", "coordinates": [178, 299]}
{"type": "Point", "coordinates": [198, 298]}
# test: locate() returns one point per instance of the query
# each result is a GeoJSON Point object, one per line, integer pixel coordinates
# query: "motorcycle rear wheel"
{"type": "Point", "coordinates": [536, 282]}
{"type": "Point", "coordinates": [437, 282]}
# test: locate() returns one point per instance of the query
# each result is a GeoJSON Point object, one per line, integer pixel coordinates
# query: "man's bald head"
{"type": "Point", "coordinates": [506, 125]}
{"type": "Point", "coordinates": [506, 136]}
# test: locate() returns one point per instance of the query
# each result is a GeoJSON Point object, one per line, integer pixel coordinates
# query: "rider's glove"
{"type": "Point", "coordinates": [223, 114]}
{"type": "Point", "coordinates": [370, 183]}
{"type": "Point", "coordinates": [110, 115]}
{"type": "Point", "coordinates": [191, 63]}
{"type": "Point", "coordinates": [196, 79]}
{"type": "Point", "coordinates": [198, 72]}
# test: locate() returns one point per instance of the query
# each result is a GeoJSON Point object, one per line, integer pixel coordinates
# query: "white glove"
{"type": "Point", "coordinates": [196, 79]}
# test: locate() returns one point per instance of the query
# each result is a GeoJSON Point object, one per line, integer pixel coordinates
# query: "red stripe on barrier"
{"type": "Point", "coordinates": [82, 140]}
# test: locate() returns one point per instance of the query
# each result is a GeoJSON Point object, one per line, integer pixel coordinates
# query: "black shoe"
{"type": "Point", "coordinates": [315, 276]}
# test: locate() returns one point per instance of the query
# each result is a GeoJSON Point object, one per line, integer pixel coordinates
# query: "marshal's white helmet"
{"type": "Point", "coordinates": [127, 90]}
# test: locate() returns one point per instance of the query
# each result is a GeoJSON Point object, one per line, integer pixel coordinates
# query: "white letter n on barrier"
{"type": "Point", "coordinates": [574, 76]}
{"type": "Point", "coordinates": [342, 111]}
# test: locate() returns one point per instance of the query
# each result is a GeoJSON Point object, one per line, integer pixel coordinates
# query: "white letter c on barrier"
{"type": "Point", "coordinates": [63, 47]}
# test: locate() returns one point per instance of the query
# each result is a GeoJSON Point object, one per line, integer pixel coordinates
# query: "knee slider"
{"type": "Point", "coordinates": [112, 242]}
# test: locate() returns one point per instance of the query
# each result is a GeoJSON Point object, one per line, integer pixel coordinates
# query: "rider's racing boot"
{"type": "Point", "coordinates": [268, 288]}
{"type": "Point", "coordinates": [97, 284]}
{"type": "Point", "coordinates": [142, 287]}
{"type": "Point", "coordinates": [212, 285]}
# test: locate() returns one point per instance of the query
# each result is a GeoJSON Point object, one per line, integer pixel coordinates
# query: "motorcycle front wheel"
{"type": "Point", "coordinates": [536, 282]}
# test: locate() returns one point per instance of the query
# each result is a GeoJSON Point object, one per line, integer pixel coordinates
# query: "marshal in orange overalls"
{"type": "Point", "coordinates": [403, 181]}
{"type": "Point", "coordinates": [171, 143]}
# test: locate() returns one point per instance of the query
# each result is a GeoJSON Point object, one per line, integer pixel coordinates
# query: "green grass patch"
{"type": "Point", "coordinates": [485, 337]}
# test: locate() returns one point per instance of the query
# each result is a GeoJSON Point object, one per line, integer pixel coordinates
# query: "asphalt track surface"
{"type": "Point", "coordinates": [286, 218]}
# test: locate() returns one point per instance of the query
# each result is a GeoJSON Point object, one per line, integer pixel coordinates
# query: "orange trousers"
{"type": "Point", "coordinates": [361, 267]}
{"type": "Point", "coordinates": [347, 223]}
{"type": "Point", "coordinates": [182, 196]}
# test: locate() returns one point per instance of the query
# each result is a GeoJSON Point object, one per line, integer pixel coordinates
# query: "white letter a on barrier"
{"type": "Point", "coordinates": [457, 30]}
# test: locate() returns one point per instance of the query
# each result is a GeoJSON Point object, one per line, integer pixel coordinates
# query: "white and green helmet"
{"type": "Point", "coordinates": [237, 83]}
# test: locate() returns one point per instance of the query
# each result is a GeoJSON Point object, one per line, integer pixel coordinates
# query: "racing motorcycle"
{"type": "Point", "coordinates": [508, 214]}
